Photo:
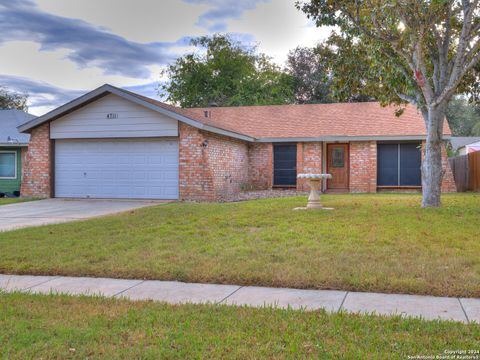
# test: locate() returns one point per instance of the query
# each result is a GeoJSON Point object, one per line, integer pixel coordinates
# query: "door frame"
{"type": "Point", "coordinates": [347, 163]}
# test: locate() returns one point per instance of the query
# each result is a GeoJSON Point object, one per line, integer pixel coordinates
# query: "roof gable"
{"type": "Point", "coordinates": [104, 90]}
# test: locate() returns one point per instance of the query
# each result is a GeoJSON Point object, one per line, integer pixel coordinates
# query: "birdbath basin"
{"type": "Point", "coordinates": [314, 181]}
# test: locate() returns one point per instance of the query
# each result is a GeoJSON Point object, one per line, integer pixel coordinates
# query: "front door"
{"type": "Point", "coordinates": [337, 166]}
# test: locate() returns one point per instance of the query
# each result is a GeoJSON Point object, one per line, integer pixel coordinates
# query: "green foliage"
{"type": "Point", "coordinates": [359, 71]}
{"type": "Point", "coordinates": [311, 73]}
{"type": "Point", "coordinates": [12, 100]}
{"type": "Point", "coordinates": [463, 117]}
{"type": "Point", "coordinates": [226, 73]}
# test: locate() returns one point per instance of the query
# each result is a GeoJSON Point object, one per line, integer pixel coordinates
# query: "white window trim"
{"type": "Point", "coordinates": [7, 177]}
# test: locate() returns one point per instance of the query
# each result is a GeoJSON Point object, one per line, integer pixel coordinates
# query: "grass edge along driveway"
{"type": "Point", "coordinates": [377, 243]}
{"type": "Point", "coordinates": [7, 201]}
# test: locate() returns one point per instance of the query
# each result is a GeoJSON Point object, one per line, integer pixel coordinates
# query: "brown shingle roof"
{"type": "Point", "coordinates": [311, 120]}
{"type": "Point", "coordinates": [341, 120]}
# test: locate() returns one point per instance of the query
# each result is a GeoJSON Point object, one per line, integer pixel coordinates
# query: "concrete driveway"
{"type": "Point", "coordinates": [53, 211]}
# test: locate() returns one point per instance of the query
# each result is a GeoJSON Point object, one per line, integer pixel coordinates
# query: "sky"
{"type": "Point", "coordinates": [57, 50]}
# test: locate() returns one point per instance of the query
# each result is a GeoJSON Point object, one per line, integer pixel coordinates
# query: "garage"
{"type": "Point", "coordinates": [115, 148]}
{"type": "Point", "coordinates": [140, 169]}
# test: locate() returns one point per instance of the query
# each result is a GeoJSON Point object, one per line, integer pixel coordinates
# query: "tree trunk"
{"type": "Point", "coordinates": [432, 171]}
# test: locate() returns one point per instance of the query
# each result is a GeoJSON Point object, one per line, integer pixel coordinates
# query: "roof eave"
{"type": "Point", "coordinates": [348, 138]}
{"type": "Point", "coordinates": [13, 144]}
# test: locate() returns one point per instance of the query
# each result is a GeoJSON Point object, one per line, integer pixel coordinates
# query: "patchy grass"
{"type": "Point", "coordinates": [53, 327]}
{"type": "Point", "coordinates": [382, 243]}
{"type": "Point", "coordinates": [6, 201]}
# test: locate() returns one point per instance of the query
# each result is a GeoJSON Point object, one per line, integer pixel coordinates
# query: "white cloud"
{"type": "Point", "coordinates": [138, 20]}
{"type": "Point", "coordinates": [278, 27]}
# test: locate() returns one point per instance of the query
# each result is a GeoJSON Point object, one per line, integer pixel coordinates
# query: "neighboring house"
{"type": "Point", "coordinates": [463, 145]}
{"type": "Point", "coordinates": [12, 145]}
{"type": "Point", "coordinates": [112, 143]}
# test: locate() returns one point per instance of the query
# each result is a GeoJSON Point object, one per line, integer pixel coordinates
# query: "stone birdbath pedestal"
{"type": "Point", "coordinates": [314, 181]}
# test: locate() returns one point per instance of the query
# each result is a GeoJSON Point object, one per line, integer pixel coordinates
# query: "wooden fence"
{"type": "Point", "coordinates": [466, 171]}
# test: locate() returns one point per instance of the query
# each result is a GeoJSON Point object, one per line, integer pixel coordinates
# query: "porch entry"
{"type": "Point", "coordinates": [285, 165]}
{"type": "Point", "coordinates": [338, 166]}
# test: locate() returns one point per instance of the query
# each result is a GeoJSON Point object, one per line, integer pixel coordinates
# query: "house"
{"type": "Point", "coordinates": [465, 144]}
{"type": "Point", "coordinates": [112, 143]}
{"type": "Point", "coordinates": [13, 146]}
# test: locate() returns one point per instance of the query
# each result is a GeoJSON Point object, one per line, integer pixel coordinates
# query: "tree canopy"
{"type": "Point", "coordinates": [421, 52]}
{"type": "Point", "coordinates": [318, 73]}
{"type": "Point", "coordinates": [311, 75]}
{"type": "Point", "coordinates": [12, 100]}
{"type": "Point", "coordinates": [224, 72]}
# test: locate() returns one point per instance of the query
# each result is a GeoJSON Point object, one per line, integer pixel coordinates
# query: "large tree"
{"type": "Point", "coordinates": [420, 51]}
{"type": "Point", "coordinates": [12, 100]}
{"type": "Point", "coordinates": [224, 72]}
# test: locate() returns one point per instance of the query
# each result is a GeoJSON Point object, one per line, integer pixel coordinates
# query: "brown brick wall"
{"type": "Point", "coordinates": [448, 182]}
{"type": "Point", "coordinates": [309, 160]}
{"type": "Point", "coordinates": [36, 180]}
{"type": "Point", "coordinates": [195, 182]}
{"type": "Point", "coordinates": [228, 164]}
{"type": "Point", "coordinates": [210, 166]}
{"type": "Point", "coordinates": [260, 168]}
{"type": "Point", "coordinates": [363, 166]}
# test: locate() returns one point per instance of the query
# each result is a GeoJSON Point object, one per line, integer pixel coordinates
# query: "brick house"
{"type": "Point", "coordinates": [112, 143]}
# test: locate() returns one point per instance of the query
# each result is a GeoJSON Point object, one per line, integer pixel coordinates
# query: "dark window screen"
{"type": "Point", "coordinates": [399, 164]}
{"type": "Point", "coordinates": [285, 165]}
{"type": "Point", "coordinates": [410, 162]}
{"type": "Point", "coordinates": [387, 165]}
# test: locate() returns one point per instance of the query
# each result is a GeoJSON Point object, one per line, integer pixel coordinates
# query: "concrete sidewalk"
{"type": "Point", "coordinates": [428, 307]}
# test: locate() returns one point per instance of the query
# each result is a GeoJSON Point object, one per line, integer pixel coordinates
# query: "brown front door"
{"type": "Point", "coordinates": [337, 166]}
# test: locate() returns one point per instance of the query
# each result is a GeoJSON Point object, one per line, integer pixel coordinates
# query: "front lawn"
{"type": "Point", "coordinates": [382, 243]}
{"type": "Point", "coordinates": [60, 327]}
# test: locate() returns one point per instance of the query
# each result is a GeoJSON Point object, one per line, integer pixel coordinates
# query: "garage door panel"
{"type": "Point", "coordinates": [116, 169]}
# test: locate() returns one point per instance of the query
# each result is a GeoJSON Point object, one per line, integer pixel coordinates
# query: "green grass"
{"type": "Point", "coordinates": [382, 243]}
{"type": "Point", "coordinates": [60, 327]}
{"type": "Point", "coordinates": [6, 201]}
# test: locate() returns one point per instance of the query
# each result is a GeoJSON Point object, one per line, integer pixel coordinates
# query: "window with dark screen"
{"type": "Point", "coordinates": [399, 164]}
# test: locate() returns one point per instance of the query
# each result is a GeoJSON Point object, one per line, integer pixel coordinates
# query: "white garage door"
{"type": "Point", "coordinates": [137, 169]}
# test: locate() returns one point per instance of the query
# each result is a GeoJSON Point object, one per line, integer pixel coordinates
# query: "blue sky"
{"type": "Point", "coordinates": [57, 50]}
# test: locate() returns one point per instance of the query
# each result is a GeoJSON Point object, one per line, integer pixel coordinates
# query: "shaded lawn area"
{"type": "Point", "coordinates": [6, 201]}
{"type": "Point", "coordinates": [53, 326]}
{"type": "Point", "coordinates": [380, 243]}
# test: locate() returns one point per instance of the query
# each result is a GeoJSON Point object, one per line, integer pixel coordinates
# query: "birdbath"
{"type": "Point", "coordinates": [314, 183]}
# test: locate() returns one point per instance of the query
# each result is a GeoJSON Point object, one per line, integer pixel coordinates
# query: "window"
{"type": "Point", "coordinates": [8, 165]}
{"type": "Point", "coordinates": [399, 164]}
{"type": "Point", "coordinates": [284, 164]}
{"type": "Point", "coordinates": [338, 159]}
